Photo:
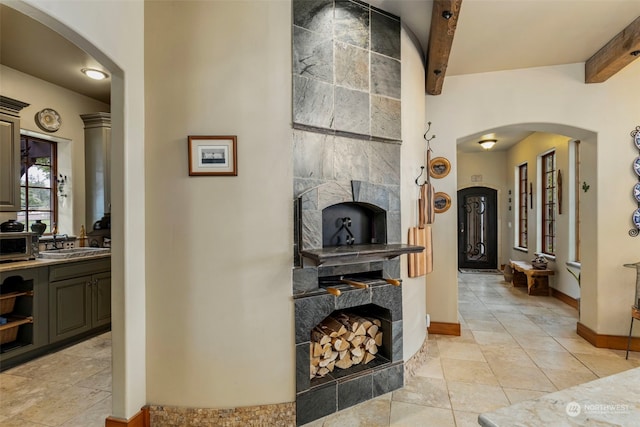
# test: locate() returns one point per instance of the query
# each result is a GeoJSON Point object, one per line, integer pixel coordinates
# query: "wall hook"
{"type": "Point", "coordinates": [428, 139]}
{"type": "Point", "coordinates": [585, 186]}
{"type": "Point", "coordinates": [421, 172]}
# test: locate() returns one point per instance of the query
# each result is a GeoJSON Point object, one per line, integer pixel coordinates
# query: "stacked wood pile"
{"type": "Point", "coordinates": [343, 340]}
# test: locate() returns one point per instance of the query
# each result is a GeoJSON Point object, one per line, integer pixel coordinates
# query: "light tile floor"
{"type": "Point", "coordinates": [513, 347]}
{"type": "Point", "coordinates": [70, 388]}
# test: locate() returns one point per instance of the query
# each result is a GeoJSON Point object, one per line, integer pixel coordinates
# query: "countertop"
{"type": "Point", "coordinates": [608, 401]}
{"type": "Point", "coordinates": [42, 262]}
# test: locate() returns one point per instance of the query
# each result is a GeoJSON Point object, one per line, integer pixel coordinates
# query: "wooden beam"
{"type": "Point", "coordinates": [444, 19]}
{"type": "Point", "coordinates": [619, 52]}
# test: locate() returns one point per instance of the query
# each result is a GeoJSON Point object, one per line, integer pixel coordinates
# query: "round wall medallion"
{"type": "Point", "coordinates": [48, 120]}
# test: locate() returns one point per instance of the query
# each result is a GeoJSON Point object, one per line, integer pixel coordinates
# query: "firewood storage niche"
{"type": "Point", "coordinates": [349, 341]}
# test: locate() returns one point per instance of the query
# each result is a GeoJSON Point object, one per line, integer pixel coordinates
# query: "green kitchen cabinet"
{"type": "Point", "coordinates": [79, 298]}
{"type": "Point", "coordinates": [10, 154]}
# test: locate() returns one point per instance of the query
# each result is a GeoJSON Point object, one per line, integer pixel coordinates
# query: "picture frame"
{"type": "Point", "coordinates": [213, 155]}
{"type": "Point", "coordinates": [441, 202]}
{"type": "Point", "coordinates": [439, 167]}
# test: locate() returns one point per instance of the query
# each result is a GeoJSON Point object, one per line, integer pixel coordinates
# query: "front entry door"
{"type": "Point", "coordinates": [477, 228]}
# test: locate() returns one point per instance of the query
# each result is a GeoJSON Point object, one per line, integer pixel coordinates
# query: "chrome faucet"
{"type": "Point", "coordinates": [55, 240]}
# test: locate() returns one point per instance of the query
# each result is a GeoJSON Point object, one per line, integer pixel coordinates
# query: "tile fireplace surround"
{"type": "Point", "coordinates": [342, 389]}
{"type": "Point", "coordinates": [346, 68]}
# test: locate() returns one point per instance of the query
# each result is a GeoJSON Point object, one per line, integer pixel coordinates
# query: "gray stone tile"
{"type": "Point", "coordinates": [355, 391]}
{"type": "Point", "coordinates": [394, 231]}
{"type": "Point", "coordinates": [387, 380]}
{"type": "Point", "coordinates": [352, 110]}
{"type": "Point", "coordinates": [397, 341]}
{"type": "Point", "coordinates": [305, 279]}
{"type": "Point", "coordinates": [351, 160]}
{"type": "Point", "coordinates": [312, 102]}
{"type": "Point", "coordinates": [314, 15]}
{"type": "Point", "coordinates": [389, 296]}
{"type": "Point", "coordinates": [316, 403]}
{"type": "Point", "coordinates": [385, 117]}
{"type": "Point", "coordinates": [385, 76]}
{"type": "Point", "coordinates": [311, 229]}
{"type": "Point", "coordinates": [351, 67]}
{"type": "Point", "coordinates": [385, 35]}
{"type": "Point", "coordinates": [312, 55]}
{"type": "Point", "coordinates": [351, 23]}
{"type": "Point", "coordinates": [303, 371]}
{"type": "Point", "coordinates": [384, 163]}
{"type": "Point", "coordinates": [312, 155]}
{"type": "Point", "coordinates": [353, 298]}
{"type": "Point", "coordinates": [309, 312]}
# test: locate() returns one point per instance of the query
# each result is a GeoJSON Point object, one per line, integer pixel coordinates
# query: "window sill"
{"type": "Point", "coordinates": [574, 264]}
{"type": "Point", "coordinates": [519, 249]}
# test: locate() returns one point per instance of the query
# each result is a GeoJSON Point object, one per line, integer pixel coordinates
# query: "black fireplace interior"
{"type": "Point", "coordinates": [353, 223]}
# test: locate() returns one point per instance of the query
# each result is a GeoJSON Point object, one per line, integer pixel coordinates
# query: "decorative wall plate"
{"type": "Point", "coordinates": [439, 167]}
{"type": "Point", "coordinates": [636, 192]}
{"type": "Point", "coordinates": [441, 202]}
{"type": "Point", "coordinates": [636, 165]}
{"type": "Point", "coordinates": [636, 218]}
{"type": "Point", "coordinates": [48, 120]}
{"type": "Point", "coordinates": [636, 139]}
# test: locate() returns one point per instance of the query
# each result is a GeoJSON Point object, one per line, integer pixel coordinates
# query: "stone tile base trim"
{"type": "Point", "coordinates": [281, 414]}
{"type": "Point", "coordinates": [418, 359]}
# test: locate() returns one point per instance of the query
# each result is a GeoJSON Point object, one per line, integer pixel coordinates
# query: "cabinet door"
{"type": "Point", "coordinates": [101, 313]}
{"type": "Point", "coordinates": [9, 163]}
{"type": "Point", "coordinates": [69, 307]}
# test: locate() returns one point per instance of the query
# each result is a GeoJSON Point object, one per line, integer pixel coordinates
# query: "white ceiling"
{"type": "Point", "coordinates": [491, 35]}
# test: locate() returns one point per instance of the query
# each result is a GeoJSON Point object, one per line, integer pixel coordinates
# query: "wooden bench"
{"type": "Point", "coordinates": [536, 281]}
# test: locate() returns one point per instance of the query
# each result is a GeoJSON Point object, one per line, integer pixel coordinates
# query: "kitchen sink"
{"type": "Point", "coordinates": [73, 253]}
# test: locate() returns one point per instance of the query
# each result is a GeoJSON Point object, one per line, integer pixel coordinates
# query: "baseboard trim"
{"type": "Point", "coordinates": [443, 328]}
{"type": "Point", "coordinates": [614, 342]}
{"type": "Point", "coordinates": [565, 298]}
{"type": "Point", "coordinates": [141, 419]}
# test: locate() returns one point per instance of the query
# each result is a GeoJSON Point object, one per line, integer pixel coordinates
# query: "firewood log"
{"type": "Point", "coordinates": [331, 326]}
{"type": "Point", "coordinates": [340, 344]}
{"type": "Point", "coordinates": [322, 372]}
{"type": "Point", "coordinates": [357, 352]}
{"type": "Point", "coordinates": [372, 331]}
{"type": "Point", "coordinates": [357, 341]}
{"type": "Point", "coordinates": [368, 357]}
{"type": "Point", "coordinates": [316, 349]}
{"type": "Point", "coordinates": [344, 363]}
{"type": "Point", "coordinates": [319, 336]}
{"type": "Point", "coordinates": [378, 338]}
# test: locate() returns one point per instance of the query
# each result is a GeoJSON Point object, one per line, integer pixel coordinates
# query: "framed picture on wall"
{"type": "Point", "coordinates": [213, 155]}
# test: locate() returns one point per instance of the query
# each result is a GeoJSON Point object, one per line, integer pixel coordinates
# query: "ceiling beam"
{"type": "Point", "coordinates": [444, 19]}
{"type": "Point", "coordinates": [619, 52]}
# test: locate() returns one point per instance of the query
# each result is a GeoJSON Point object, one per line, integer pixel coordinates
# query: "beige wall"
{"type": "Point", "coordinates": [40, 94]}
{"type": "Point", "coordinates": [219, 249]}
{"type": "Point", "coordinates": [555, 95]}
{"type": "Point", "coordinates": [411, 158]}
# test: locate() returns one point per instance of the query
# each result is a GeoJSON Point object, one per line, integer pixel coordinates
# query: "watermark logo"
{"type": "Point", "coordinates": [573, 409]}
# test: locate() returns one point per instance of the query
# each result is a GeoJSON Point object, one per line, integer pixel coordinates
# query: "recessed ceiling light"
{"type": "Point", "coordinates": [94, 74]}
